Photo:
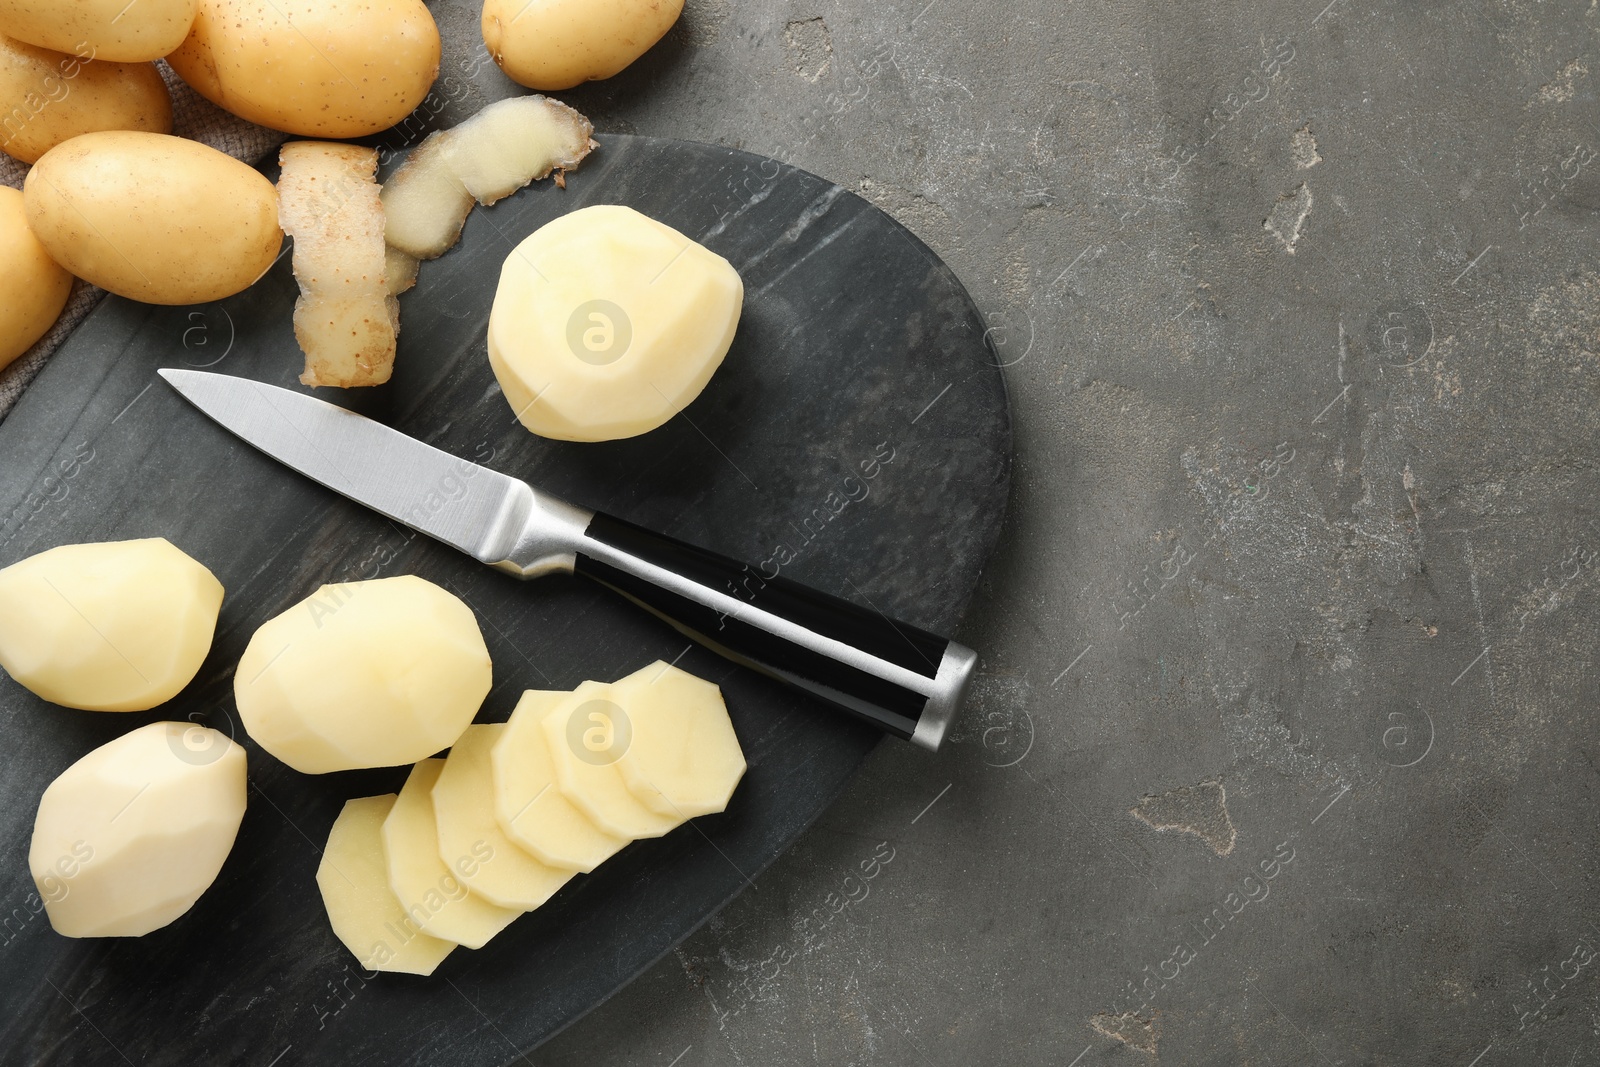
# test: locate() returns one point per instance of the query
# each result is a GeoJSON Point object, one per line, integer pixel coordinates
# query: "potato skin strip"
{"type": "Point", "coordinates": [347, 318]}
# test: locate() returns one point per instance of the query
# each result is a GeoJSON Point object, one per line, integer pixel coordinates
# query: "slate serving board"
{"type": "Point", "coordinates": [859, 422]}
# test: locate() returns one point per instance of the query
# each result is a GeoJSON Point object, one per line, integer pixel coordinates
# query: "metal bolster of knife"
{"type": "Point", "coordinates": [534, 534]}
{"type": "Point", "coordinates": [903, 679]}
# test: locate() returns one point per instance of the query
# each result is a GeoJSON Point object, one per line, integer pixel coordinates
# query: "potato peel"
{"type": "Point", "coordinates": [347, 318]}
{"type": "Point", "coordinates": [485, 159]}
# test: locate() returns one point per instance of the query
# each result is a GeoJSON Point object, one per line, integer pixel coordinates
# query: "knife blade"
{"type": "Point", "coordinates": [903, 679]}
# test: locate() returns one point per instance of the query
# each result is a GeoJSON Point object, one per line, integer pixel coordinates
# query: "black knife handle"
{"type": "Point", "coordinates": [903, 679]}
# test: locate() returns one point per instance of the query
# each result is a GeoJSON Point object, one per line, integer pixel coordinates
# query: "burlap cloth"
{"type": "Point", "coordinates": [192, 116]}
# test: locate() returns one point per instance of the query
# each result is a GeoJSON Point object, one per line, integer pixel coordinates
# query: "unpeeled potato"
{"type": "Point", "coordinates": [120, 30]}
{"type": "Point", "coordinates": [557, 44]}
{"type": "Point", "coordinates": [153, 217]}
{"type": "Point", "coordinates": [47, 97]}
{"type": "Point", "coordinates": [36, 286]}
{"type": "Point", "coordinates": [320, 68]}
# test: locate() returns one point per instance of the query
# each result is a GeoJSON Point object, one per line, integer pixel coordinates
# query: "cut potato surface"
{"type": "Point", "coordinates": [36, 286]}
{"type": "Point", "coordinates": [463, 804]}
{"type": "Point", "coordinates": [364, 912]}
{"type": "Point", "coordinates": [399, 270]}
{"type": "Point", "coordinates": [425, 202]}
{"type": "Point", "coordinates": [365, 674]}
{"type": "Point", "coordinates": [607, 323]}
{"type": "Point", "coordinates": [430, 892]}
{"type": "Point", "coordinates": [112, 626]}
{"type": "Point", "coordinates": [345, 318]}
{"type": "Point", "coordinates": [47, 97]}
{"type": "Point", "coordinates": [587, 732]}
{"type": "Point", "coordinates": [684, 759]}
{"type": "Point", "coordinates": [489, 156]}
{"type": "Point", "coordinates": [529, 804]}
{"type": "Point", "coordinates": [130, 836]}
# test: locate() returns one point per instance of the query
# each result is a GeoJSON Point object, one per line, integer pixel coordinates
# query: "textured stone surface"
{"type": "Point", "coordinates": [1395, 616]}
{"type": "Point", "coordinates": [1278, 504]}
{"type": "Point", "coordinates": [859, 420]}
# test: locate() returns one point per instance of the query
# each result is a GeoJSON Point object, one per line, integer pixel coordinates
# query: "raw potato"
{"type": "Point", "coordinates": [100, 29]}
{"type": "Point", "coordinates": [48, 97]}
{"type": "Point", "coordinates": [430, 892]}
{"type": "Point", "coordinates": [424, 203]}
{"type": "Point", "coordinates": [128, 837]}
{"type": "Point", "coordinates": [114, 626]}
{"type": "Point", "coordinates": [365, 674]}
{"type": "Point", "coordinates": [363, 910]}
{"type": "Point", "coordinates": [586, 733]}
{"type": "Point", "coordinates": [608, 323]}
{"type": "Point", "coordinates": [490, 156]}
{"type": "Point", "coordinates": [463, 804]}
{"type": "Point", "coordinates": [318, 68]}
{"type": "Point", "coordinates": [399, 270]}
{"type": "Point", "coordinates": [345, 319]}
{"type": "Point", "coordinates": [557, 44]}
{"type": "Point", "coordinates": [530, 806]}
{"type": "Point", "coordinates": [36, 286]}
{"type": "Point", "coordinates": [683, 759]}
{"type": "Point", "coordinates": [153, 217]}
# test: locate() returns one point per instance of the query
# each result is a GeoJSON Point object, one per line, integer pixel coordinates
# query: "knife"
{"type": "Point", "coordinates": [904, 680]}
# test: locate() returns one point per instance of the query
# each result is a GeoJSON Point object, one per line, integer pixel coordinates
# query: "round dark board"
{"type": "Point", "coordinates": [859, 421]}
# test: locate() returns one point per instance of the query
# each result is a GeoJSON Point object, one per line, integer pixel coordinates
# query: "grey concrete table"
{"type": "Point", "coordinates": [1284, 749]}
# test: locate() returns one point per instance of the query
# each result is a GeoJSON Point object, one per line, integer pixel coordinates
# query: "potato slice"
{"type": "Point", "coordinates": [587, 733]}
{"type": "Point", "coordinates": [346, 317]}
{"type": "Point", "coordinates": [607, 323]}
{"type": "Point", "coordinates": [528, 803]}
{"type": "Point", "coordinates": [128, 837]}
{"type": "Point", "coordinates": [463, 804]}
{"type": "Point", "coordinates": [364, 674]}
{"type": "Point", "coordinates": [112, 626]}
{"type": "Point", "coordinates": [430, 892]}
{"type": "Point", "coordinates": [491, 155]}
{"type": "Point", "coordinates": [364, 912]}
{"type": "Point", "coordinates": [684, 759]}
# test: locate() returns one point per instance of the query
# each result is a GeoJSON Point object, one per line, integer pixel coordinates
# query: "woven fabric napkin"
{"type": "Point", "coordinates": [194, 117]}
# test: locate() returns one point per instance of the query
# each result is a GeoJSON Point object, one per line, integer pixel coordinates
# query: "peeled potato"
{"type": "Point", "coordinates": [587, 733]}
{"type": "Point", "coordinates": [364, 912]}
{"type": "Point", "coordinates": [318, 68]}
{"type": "Point", "coordinates": [47, 97]}
{"type": "Point", "coordinates": [684, 759]}
{"type": "Point", "coordinates": [608, 323]}
{"type": "Point", "coordinates": [557, 44]}
{"type": "Point", "coordinates": [127, 31]}
{"type": "Point", "coordinates": [366, 674]}
{"type": "Point", "coordinates": [346, 319]}
{"type": "Point", "coordinates": [488, 157]}
{"type": "Point", "coordinates": [128, 837]}
{"type": "Point", "coordinates": [36, 286]}
{"type": "Point", "coordinates": [529, 804]}
{"type": "Point", "coordinates": [463, 804]}
{"type": "Point", "coordinates": [114, 626]}
{"type": "Point", "coordinates": [152, 217]}
{"type": "Point", "coordinates": [429, 890]}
